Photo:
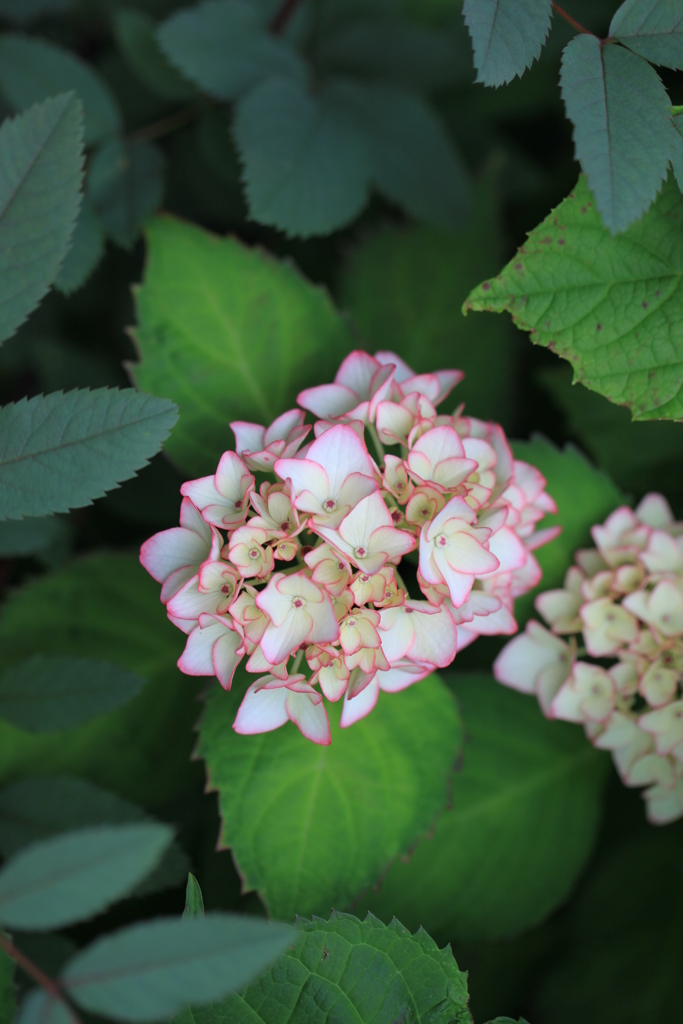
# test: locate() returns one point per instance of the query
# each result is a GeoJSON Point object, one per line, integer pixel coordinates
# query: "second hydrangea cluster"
{"type": "Point", "coordinates": [287, 558]}
{"type": "Point", "coordinates": [621, 604]}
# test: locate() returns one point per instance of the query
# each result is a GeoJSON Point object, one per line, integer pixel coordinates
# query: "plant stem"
{"type": "Point", "coordinates": [297, 662]}
{"type": "Point", "coordinates": [570, 21]}
{"type": "Point", "coordinates": [48, 984]}
{"type": "Point", "coordinates": [283, 16]}
{"type": "Point", "coordinates": [379, 447]}
{"type": "Point", "coordinates": [165, 125]}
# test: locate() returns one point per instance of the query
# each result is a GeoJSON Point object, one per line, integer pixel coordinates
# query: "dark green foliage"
{"type": "Point", "coordinates": [135, 36]}
{"type": "Point", "coordinates": [507, 36]}
{"type": "Point", "coordinates": [622, 126]}
{"type": "Point", "coordinates": [76, 875]}
{"type": "Point", "coordinates": [348, 971]}
{"type": "Point", "coordinates": [652, 28]}
{"type": "Point", "coordinates": [87, 249]}
{"type": "Point", "coordinates": [125, 186]}
{"type": "Point", "coordinates": [31, 69]}
{"type": "Point", "coordinates": [149, 971]}
{"type": "Point", "coordinates": [48, 694]}
{"type": "Point", "coordinates": [85, 443]}
{"type": "Point", "coordinates": [41, 158]}
{"type": "Point", "coordinates": [7, 991]}
{"type": "Point", "coordinates": [194, 904]}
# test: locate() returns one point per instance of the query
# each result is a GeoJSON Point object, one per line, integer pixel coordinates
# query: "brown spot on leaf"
{"type": "Point", "coordinates": [644, 304]}
{"type": "Point", "coordinates": [598, 327]}
{"type": "Point", "coordinates": [561, 241]}
{"type": "Point", "coordinates": [485, 287]}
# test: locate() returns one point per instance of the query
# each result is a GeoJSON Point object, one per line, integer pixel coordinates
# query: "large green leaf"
{"type": "Point", "coordinates": [126, 186]}
{"type": "Point", "coordinates": [310, 826]}
{"type": "Point", "coordinates": [77, 875]}
{"type": "Point", "coordinates": [225, 48]}
{"type": "Point", "coordinates": [49, 693]}
{"type": "Point", "coordinates": [652, 28]}
{"type": "Point", "coordinates": [623, 957]}
{"type": "Point", "coordinates": [33, 809]}
{"type": "Point", "coordinates": [350, 971]}
{"type": "Point", "coordinates": [525, 812]}
{"type": "Point", "coordinates": [405, 286]}
{"type": "Point", "coordinates": [105, 606]}
{"type": "Point", "coordinates": [32, 69]}
{"type": "Point", "coordinates": [229, 333]}
{"type": "Point", "coordinates": [306, 163]}
{"type": "Point", "coordinates": [37, 1007]}
{"type": "Point", "coordinates": [22, 537]}
{"type": "Point", "coordinates": [584, 496]}
{"type": "Point", "coordinates": [61, 451]}
{"type": "Point", "coordinates": [149, 971]}
{"type": "Point", "coordinates": [622, 126]}
{"type": "Point", "coordinates": [507, 36]}
{"type": "Point", "coordinates": [610, 306]}
{"type": "Point", "coordinates": [41, 158]}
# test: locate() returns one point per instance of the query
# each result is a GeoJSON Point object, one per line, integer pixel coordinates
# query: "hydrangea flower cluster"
{"type": "Point", "coordinates": [287, 557]}
{"type": "Point", "coordinates": [622, 601]}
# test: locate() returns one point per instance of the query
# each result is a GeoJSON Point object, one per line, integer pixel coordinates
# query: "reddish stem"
{"type": "Point", "coordinates": [571, 21]}
{"type": "Point", "coordinates": [283, 16]}
{"type": "Point", "coordinates": [48, 984]}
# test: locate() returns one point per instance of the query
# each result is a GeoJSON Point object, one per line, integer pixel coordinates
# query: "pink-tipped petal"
{"type": "Point", "coordinates": [261, 710]}
{"type": "Point", "coordinates": [310, 718]}
{"type": "Point", "coordinates": [353, 709]}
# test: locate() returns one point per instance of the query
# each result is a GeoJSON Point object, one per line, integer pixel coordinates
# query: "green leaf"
{"type": "Point", "coordinates": [149, 971]}
{"type": "Point", "coordinates": [32, 69]}
{"type": "Point", "coordinates": [608, 305]}
{"type": "Point", "coordinates": [224, 47]}
{"type": "Point", "coordinates": [22, 537]}
{"type": "Point", "coordinates": [412, 159]}
{"type": "Point", "coordinates": [74, 876]}
{"type": "Point", "coordinates": [194, 902]}
{"type": "Point", "coordinates": [306, 161]}
{"type": "Point", "coordinates": [525, 809]}
{"type": "Point", "coordinates": [651, 28]}
{"type": "Point", "coordinates": [507, 36]}
{"type": "Point", "coordinates": [584, 496]}
{"type": "Point", "coordinates": [309, 826]}
{"type": "Point", "coordinates": [39, 1008]}
{"type": "Point", "coordinates": [345, 970]}
{"type": "Point", "coordinates": [41, 159]}
{"type": "Point", "coordinates": [62, 451]}
{"type": "Point", "coordinates": [26, 10]}
{"type": "Point", "coordinates": [33, 809]}
{"type": "Point", "coordinates": [229, 333]}
{"type": "Point", "coordinates": [677, 154]}
{"type": "Point", "coordinates": [134, 31]}
{"type": "Point", "coordinates": [388, 49]}
{"type": "Point", "coordinates": [405, 286]}
{"type": "Point", "coordinates": [623, 960]}
{"type": "Point", "coordinates": [105, 606]}
{"type": "Point", "coordinates": [622, 126]}
{"type": "Point", "coordinates": [126, 186]}
{"type": "Point", "coordinates": [87, 249]}
{"type": "Point", "coordinates": [8, 1004]}
{"type": "Point", "coordinates": [49, 694]}
{"type": "Point", "coordinates": [636, 455]}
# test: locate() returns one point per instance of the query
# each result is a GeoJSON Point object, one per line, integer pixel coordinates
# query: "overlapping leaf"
{"type": "Point", "coordinates": [33, 809]}
{"type": "Point", "coordinates": [32, 69]}
{"type": "Point", "coordinates": [622, 126]}
{"type": "Point", "coordinates": [22, 537]}
{"type": "Point", "coordinates": [74, 876]}
{"type": "Point", "coordinates": [652, 28]}
{"type": "Point", "coordinates": [609, 305]}
{"type": "Point", "coordinates": [62, 451]}
{"type": "Point", "coordinates": [41, 157]}
{"type": "Point", "coordinates": [149, 971]}
{"type": "Point", "coordinates": [225, 48]}
{"type": "Point", "coordinates": [48, 694]}
{"type": "Point", "coordinates": [87, 249]}
{"type": "Point", "coordinates": [507, 36]}
{"type": "Point", "coordinates": [525, 809]}
{"type": "Point", "coordinates": [125, 187]}
{"type": "Point", "coordinates": [312, 826]}
{"type": "Point", "coordinates": [105, 606]}
{"type": "Point", "coordinates": [38, 1007]}
{"type": "Point", "coordinates": [228, 333]}
{"type": "Point", "coordinates": [347, 970]}
{"type": "Point", "coordinates": [135, 35]}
